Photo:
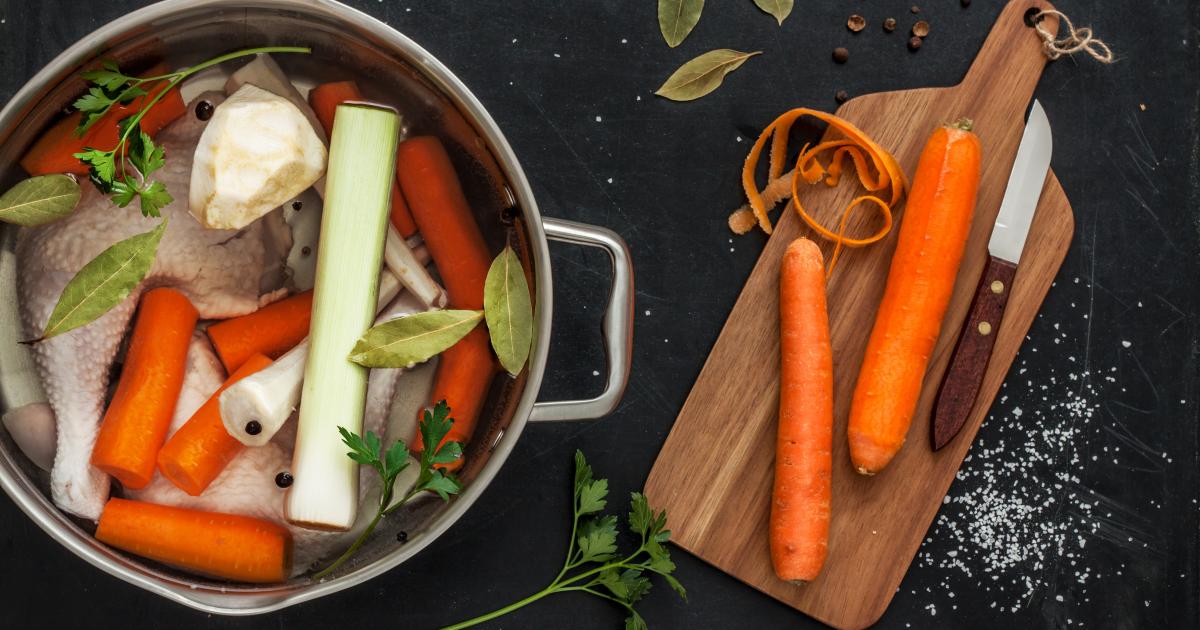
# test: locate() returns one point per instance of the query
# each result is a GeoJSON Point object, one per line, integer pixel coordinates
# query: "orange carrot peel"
{"type": "Point", "coordinates": [877, 172]}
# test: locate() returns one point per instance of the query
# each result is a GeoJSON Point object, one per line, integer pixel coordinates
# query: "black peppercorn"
{"type": "Point", "coordinates": [889, 24]}
{"type": "Point", "coordinates": [305, 251]}
{"type": "Point", "coordinates": [841, 55]}
{"type": "Point", "coordinates": [914, 43]}
{"type": "Point", "coordinates": [253, 427]}
{"type": "Point", "coordinates": [842, 96]}
{"type": "Point", "coordinates": [402, 537]}
{"type": "Point", "coordinates": [283, 479]}
{"type": "Point", "coordinates": [204, 110]}
{"type": "Point", "coordinates": [915, 9]}
{"type": "Point", "coordinates": [297, 205]}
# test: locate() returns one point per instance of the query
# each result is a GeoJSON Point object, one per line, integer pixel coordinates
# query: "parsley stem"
{"type": "Point", "coordinates": [500, 612]}
{"type": "Point", "coordinates": [358, 542]}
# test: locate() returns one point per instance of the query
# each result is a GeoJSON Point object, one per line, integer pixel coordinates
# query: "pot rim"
{"type": "Point", "coordinates": [206, 598]}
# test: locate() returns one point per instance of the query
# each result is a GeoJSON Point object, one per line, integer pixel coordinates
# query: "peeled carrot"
{"type": "Point", "coordinates": [140, 414]}
{"type": "Point", "coordinates": [919, 285]}
{"type": "Point", "coordinates": [271, 330]}
{"type": "Point", "coordinates": [54, 151]}
{"type": "Point", "coordinates": [440, 208]}
{"type": "Point", "coordinates": [799, 528]}
{"type": "Point", "coordinates": [324, 100]}
{"type": "Point", "coordinates": [225, 546]}
{"type": "Point", "coordinates": [202, 447]}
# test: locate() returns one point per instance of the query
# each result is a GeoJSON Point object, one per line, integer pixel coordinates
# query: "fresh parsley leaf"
{"type": "Point", "coordinates": [100, 166]}
{"type": "Point", "coordinates": [369, 451]}
{"type": "Point", "coordinates": [591, 496]}
{"type": "Point", "coordinates": [124, 192]}
{"type": "Point", "coordinates": [154, 197]}
{"type": "Point", "coordinates": [635, 622]}
{"type": "Point", "coordinates": [583, 472]}
{"type": "Point", "coordinates": [597, 539]}
{"type": "Point", "coordinates": [641, 517]}
{"type": "Point", "coordinates": [95, 100]}
{"type": "Point", "coordinates": [675, 585]}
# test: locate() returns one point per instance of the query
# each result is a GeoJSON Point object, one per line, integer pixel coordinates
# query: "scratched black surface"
{"type": "Point", "coordinates": [571, 85]}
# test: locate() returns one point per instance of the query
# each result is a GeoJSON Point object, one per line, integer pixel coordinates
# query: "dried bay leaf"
{"type": "Point", "coordinates": [508, 311]}
{"type": "Point", "coordinates": [406, 341]}
{"type": "Point", "coordinates": [703, 74]}
{"type": "Point", "coordinates": [39, 200]}
{"type": "Point", "coordinates": [778, 8]}
{"type": "Point", "coordinates": [104, 282]}
{"type": "Point", "coordinates": [677, 18]}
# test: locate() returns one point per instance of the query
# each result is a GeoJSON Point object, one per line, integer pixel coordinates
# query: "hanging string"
{"type": "Point", "coordinates": [1077, 39]}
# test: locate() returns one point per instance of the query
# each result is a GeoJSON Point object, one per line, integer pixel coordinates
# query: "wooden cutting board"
{"type": "Point", "coordinates": [714, 473]}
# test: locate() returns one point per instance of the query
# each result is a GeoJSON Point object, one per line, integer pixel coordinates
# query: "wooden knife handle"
{"type": "Point", "coordinates": [968, 363]}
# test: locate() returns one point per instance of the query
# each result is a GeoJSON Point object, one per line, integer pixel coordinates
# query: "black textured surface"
{"type": "Point", "coordinates": [1096, 425]}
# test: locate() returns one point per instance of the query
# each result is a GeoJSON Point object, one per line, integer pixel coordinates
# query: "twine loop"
{"type": "Point", "coordinates": [1077, 39]}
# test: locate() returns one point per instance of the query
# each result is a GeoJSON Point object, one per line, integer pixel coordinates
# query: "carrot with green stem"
{"type": "Point", "coordinates": [920, 283]}
{"type": "Point", "coordinates": [271, 330]}
{"type": "Point", "coordinates": [324, 100]}
{"type": "Point", "coordinates": [457, 247]}
{"type": "Point", "coordinates": [800, 500]}
{"type": "Point", "coordinates": [197, 453]}
{"type": "Point", "coordinates": [139, 415]}
{"type": "Point", "coordinates": [225, 546]}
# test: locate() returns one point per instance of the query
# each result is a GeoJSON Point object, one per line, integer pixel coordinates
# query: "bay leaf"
{"type": "Point", "coordinates": [508, 310]}
{"type": "Point", "coordinates": [677, 18]}
{"type": "Point", "coordinates": [406, 341]}
{"type": "Point", "coordinates": [778, 8]}
{"type": "Point", "coordinates": [703, 74]}
{"type": "Point", "coordinates": [104, 282]}
{"type": "Point", "coordinates": [39, 200]}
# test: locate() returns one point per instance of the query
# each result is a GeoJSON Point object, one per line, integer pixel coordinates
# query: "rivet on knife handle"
{"type": "Point", "coordinates": [960, 386]}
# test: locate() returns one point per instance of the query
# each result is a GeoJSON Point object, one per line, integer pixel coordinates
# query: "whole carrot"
{"type": "Point", "coordinates": [271, 330]}
{"type": "Point", "coordinates": [202, 447]}
{"type": "Point", "coordinates": [919, 285]}
{"type": "Point", "coordinates": [799, 528]}
{"type": "Point", "coordinates": [219, 545]}
{"type": "Point", "coordinates": [324, 100]}
{"type": "Point", "coordinates": [440, 209]}
{"type": "Point", "coordinates": [137, 420]}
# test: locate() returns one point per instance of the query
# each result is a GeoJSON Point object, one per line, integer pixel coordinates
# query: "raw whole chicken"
{"type": "Point", "coordinates": [219, 270]}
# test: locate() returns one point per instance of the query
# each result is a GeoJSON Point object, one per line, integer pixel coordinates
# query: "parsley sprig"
{"type": "Point", "coordinates": [369, 451]}
{"type": "Point", "coordinates": [125, 170]}
{"type": "Point", "coordinates": [599, 569]}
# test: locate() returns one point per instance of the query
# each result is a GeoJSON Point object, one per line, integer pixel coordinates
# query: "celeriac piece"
{"type": "Point", "coordinates": [353, 229]}
{"type": "Point", "coordinates": [258, 151]}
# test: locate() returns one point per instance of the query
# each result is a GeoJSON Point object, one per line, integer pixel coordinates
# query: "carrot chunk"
{"type": "Point", "coordinates": [271, 330]}
{"type": "Point", "coordinates": [225, 546]}
{"type": "Point", "coordinates": [139, 416]}
{"type": "Point", "coordinates": [202, 447]}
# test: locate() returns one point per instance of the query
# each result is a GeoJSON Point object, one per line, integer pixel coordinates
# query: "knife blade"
{"type": "Point", "coordinates": [968, 363]}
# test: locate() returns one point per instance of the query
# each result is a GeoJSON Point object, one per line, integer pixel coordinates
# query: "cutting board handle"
{"type": "Point", "coordinates": [1004, 64]}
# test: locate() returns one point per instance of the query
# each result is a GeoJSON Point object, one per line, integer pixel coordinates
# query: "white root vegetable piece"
{"type": "Point", "coordinates": [403, 262]}
{"type": "Point", "coordinates": [257, 152]}
{"type": "Point", "coordinates": [270, 395]}
{"type": "Point", "coordinates": [265, 73]}
{"type": "Point", "coordinates": [354, 224]}
{"type": "Point", "coordinates": [32, 428]}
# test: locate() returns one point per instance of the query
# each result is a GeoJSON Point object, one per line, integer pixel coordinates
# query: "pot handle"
{"type": "Point", "coordinates": [617, 325]}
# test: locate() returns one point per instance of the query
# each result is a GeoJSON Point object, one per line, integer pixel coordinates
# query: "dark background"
{"type": "Point", "coordinates": [1087, 471]}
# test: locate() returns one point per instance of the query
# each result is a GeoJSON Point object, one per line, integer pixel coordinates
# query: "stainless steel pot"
{"type": "Point", "coordinates": [347, 44]}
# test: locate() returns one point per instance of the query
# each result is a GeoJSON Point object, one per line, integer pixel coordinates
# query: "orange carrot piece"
{"type": "Point", "coordinates": [799, 528]}
{"type": "Point", "coordinates": [324, 100]}
{"type": "Point", "coordinates": [139, 416]}
{"type": "Point", "coordinates": [54, 151]}
{"type": "Point", "coordinates": [202, 448]}
{"type": "Point", "coordinates": [225, 546]}
{"type": "Point", "coordinates": [464, 374]}
{"type": "Point", "coordinates": [271, 330]}
{"type": "Point", "coordinates": [920, 282]}
{"type": "Point", "coordinates": [440, 208]}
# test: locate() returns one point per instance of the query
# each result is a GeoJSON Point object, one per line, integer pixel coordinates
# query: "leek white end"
{"type": "Point", "coordinates": [362, 159]}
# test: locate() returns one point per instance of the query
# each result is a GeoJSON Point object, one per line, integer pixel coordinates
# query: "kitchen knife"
{"type": "Point", "coordinates": [968, 363]}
